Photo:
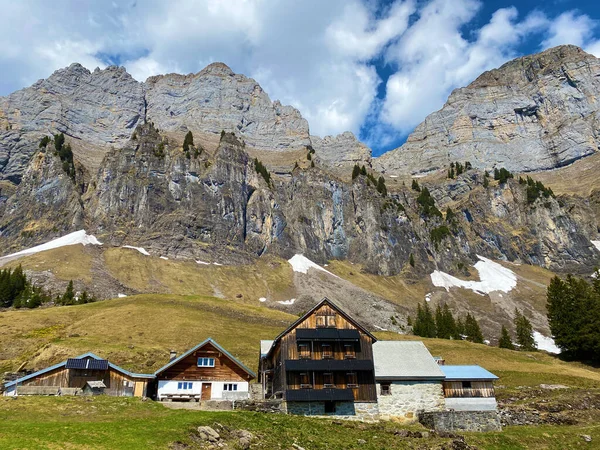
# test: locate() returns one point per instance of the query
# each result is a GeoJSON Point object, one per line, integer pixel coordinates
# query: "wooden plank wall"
{"type": "Point", "coordinates": [187, 369]}
{"type": "Point", "coordinates": [454, 389]}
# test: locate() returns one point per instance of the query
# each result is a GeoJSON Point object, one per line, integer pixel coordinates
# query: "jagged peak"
{"type": "Point", "coordinates": [217, 68]}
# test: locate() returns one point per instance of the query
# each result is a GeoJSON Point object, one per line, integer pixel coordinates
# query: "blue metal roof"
{"type": "Point", "coordinates": [202, 344]}
{"type": "Point", "coordinates": [61, 364]}
{"type": "Point", "coordinates": [467, 373]}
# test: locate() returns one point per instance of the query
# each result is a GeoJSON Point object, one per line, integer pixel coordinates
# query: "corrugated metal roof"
{"type": "Point", "coordinates": [467, 373]}
{"type": "Point", "coordinates": [96, 384]}
{"type": "Point", "coordinates": [265, 346]}
{"type": "Point", "coordinates": [404, 360]}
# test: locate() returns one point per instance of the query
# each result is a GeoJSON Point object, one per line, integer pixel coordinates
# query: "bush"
{"type": "Point", "coordinates": [427, 203]}
{"type": "Point", "coordinates": [355, 171]}
{"type": "Point", "coordinates": [44, 142]}
{"type": "Point", "coordinates": [381, 186]}
{"type": "Point", "coordinates": [65, 154]}
{"type": "Point", "coordinates": [415, 186]}
{"type": "Point", "coordinates": [536, 189]}
{"type": "Point", "coordinates": [262, 170]}
{"type": "Point", "coordinates": [438, 234]}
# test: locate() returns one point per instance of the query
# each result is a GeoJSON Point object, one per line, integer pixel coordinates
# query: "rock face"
{"type": "Point", "coordinates": [101, 108]}
{"type": "Point", "coordinates": [536, 112]}
{"type": "Point", "coordinates": [216, 99]}
{"type": "Point", "coordinates": [340, 153]}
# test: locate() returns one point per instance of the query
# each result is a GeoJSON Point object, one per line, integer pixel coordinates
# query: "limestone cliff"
{"type": "Point", "coordinates": [536, 112]}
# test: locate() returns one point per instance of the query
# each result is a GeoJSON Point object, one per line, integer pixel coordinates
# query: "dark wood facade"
{"type": "Point", "coordinates": [324, 356]}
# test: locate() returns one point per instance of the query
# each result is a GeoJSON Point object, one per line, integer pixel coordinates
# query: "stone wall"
{"type": "Point", "coordinates": [343, 410]}
{"type": "Point", "coordinates": [408, 398]}
{"type": "Point", "coordinates": [461, 420]}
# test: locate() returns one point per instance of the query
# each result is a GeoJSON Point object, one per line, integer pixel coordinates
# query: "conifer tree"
{"type": "Point", "coordinates": [381, 186]}
{"type": "Point", "coordinates": [424, 324]}
{"type": "Point", "coordinates": [411, 260]}
{"type": "Point", "coordinates": [188, 141]}
{"type": "Point", "coordinates": [472, 330]}
{"type": "Point", "coordinates": [444, 322]}
{"type": "Point", "coordinates": [355, 171]}
{"type": "Point", "coordinates": [363, 170]}
{"type": "Point", "coordinates": [524, 332]}
{"type": "Point", "coordinates": [415, 186]}
{"type": "Point", "coordinates": [68, 298]}
{"type": "Point", "coordinates": [505, 341]}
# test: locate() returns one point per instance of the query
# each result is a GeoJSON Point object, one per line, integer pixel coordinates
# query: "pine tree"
{"type": "Point", "coordinates": [524, 332]}
{"type": "Point", "coordinates": [363, 170]}
{"type": "Point", "coordinates": [355, 171]}
{"type": "Point", "coordinates": [424, 324]}
{"type": "Point", "coordinates": [381, 186]}
{"type": "Point", "coordinates": [486, 179]}
{"type": "Point", "coordinates": [460, 329]}
{"type": "Point", "coordinates": [411, 260]}
{"type": "Point", "coordinates": [415, 186]}
{"type": "Point", "coordinates": [444, 322]}
{"type": "Point", "coordinates": [188, 141]}
{"type": "Point", "coordinates": [505, 341]}
{"type": "Point", "coordinates": [472, 330]}
{"type": "Point", "coordinates": [68, 298]}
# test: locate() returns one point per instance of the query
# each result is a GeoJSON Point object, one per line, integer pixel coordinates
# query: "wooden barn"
{"type": "Point", "coordinates": [70, 377]}
{"type": "Point", "coordinates": [321, 364]}
{"type": "Point", "coordinates": [469, 388]}
{"type": "Point", "coordinates": [205, 372]}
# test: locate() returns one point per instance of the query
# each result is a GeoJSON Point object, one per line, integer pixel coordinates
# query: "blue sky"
{"type": "Point", "coordinates": [376, 68]}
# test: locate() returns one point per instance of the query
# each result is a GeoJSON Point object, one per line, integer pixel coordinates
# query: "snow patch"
{"type": "Point", "coordinates": [428, 296]}
{"type": "Point", "coordinates": [493, 276]}
{"type": "Point", "coordinates": [291, 301]}
{"type": "Point", "coordinates": [77, 237]}
{"type": "Point", "coordinates": [380, 328]}
{"type": "Point", "coordinates": [262, 299]}
{"type": "Point", "coordinates": [301, 264]}
{"type": "Point", "coordinates": [139, 249]}
{"type": "Point", "coordinates": [164, 257]}
{"type": "Point", "coordinates": [545, 343]}
{"type": "Point", "coordinates": [596, 244]}
{"type": "Point", "coordinates": [202, 263]}
{"type": "Point", "coordinates": [217, 264]}
{"type": "Point", "coordinates": [121, 295]}
{"type": "Point", "coordinates": [393, 176]}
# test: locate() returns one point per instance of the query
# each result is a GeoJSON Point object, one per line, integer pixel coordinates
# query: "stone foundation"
{"type": "Point", "coordinates": [409, 398]}
{"type": "Point", "coordinates": [461, 420]}
{"type": "Point", "coordinates": [343, 410]}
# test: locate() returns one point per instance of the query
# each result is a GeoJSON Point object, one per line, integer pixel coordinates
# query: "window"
{"type": "Point", "coordinates": [304, 351]}
{"type": "Point", "coordinates": [230, 387]}
{"type": "Point", "coordinates": [349, 351]}
{"type": "Point", "coordinates": [466, 385]}
{"type": "Point", "coordinates": [330, 321]}
{"type": "Point", "coordinates": [386, 389]}
{"type": "Point", "coordinates": [327, 352]}
{"type": "Point", "coordinates": [321, 322]}
{"type": "Point", "coordinates": [184, 385]}
{"type": "Point", "coordinates": [305, 381]}
{"type": "Point", "coordinates": [206, 362]}
{"type": "Point", "coordinates": [351, 379]}
{"type": "Point", "coordinates": [328, 380]}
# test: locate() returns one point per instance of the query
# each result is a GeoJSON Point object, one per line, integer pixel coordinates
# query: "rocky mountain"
{"type": "Point", "coordinates": [255, 182]}
{"type": "Point", "coordinates": [534, 113]}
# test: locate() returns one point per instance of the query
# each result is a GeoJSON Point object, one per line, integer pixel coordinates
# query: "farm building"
{"type": "Point", "coordinates": [409, 380]}
{"type": "Point", "coordinates": [70, 377]}
{"type": "Point", "coordinates": [321, 364]}
{"type": "Point", "coordinates": [205, 372]}
{"type": "Point", "coordinates": [469, 388]}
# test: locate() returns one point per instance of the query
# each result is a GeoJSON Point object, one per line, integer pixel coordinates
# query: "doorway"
{"type": "Point", "coordinates": [206, 391]}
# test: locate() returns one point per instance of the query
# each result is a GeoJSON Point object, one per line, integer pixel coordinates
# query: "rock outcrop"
{"type": "Point", "coordinates": [340, 153]}
{"type": "Point", "coordinates": [536, 112]}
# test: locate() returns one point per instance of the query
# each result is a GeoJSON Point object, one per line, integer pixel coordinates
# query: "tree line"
{"type": "Point", "coordinates": [442, 324]}
{"type": "Point", "coordinates": [18, 291]}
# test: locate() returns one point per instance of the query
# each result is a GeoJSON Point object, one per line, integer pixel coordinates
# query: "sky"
{"type": "Point", "coordinates": [376, 68]}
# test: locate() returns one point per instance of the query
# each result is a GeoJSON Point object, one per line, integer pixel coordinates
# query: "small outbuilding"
{"type": "Point", "coordinates": [409, 381]}
{"type": "Point", "coordinates": [469, 388]}
{"type": "Point", "coordinates": [93, 388]}
{"type": "Point", "coordinates": [71, 376]}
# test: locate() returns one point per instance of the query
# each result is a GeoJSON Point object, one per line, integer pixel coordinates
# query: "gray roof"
{"type": "Point", "coordinates": [265, 346]}
{"type": "Point", "coordinates": [404, 360]}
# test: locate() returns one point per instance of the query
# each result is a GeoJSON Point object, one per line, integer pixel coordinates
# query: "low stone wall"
{"type": "Point", "coordinates": [461, 420]}
{"type": "Point", "coordinates": [367, 411]}
{"type": "Point", "coordinates": [408, 398]}
{"type": "Point", "coordinates": [265, 406]}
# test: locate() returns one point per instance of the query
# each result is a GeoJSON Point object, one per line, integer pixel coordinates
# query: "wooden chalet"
{"type": "Point", "coordinates": [321, 364]}
{"type": "Point", "coordinates": [72, 376]}
{"type": "Point", "coordinates": [469, 388]}
{"type": "Point", "coordinates": [205, 372]}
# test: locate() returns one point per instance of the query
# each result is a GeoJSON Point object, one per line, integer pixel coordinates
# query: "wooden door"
{"type": "Point", "coordinates": [206, 391]}
{"type": "Point", "coordinates": [139, 389]}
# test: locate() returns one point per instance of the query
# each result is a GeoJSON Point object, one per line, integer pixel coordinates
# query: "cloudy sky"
{"type": "Point", "coordinates": [376, 68]}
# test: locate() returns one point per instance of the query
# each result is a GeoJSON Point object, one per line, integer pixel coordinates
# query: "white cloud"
{"type": "Point", "coordinates": [324, 57]}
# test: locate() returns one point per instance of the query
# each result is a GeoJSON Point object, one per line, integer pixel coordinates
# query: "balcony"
{"type": "Point", "coordinates": [326, 334]}
{"type": "Point", "coordinates": [317, 395]}
{"type": "Point", "coordinates": [329, 365]}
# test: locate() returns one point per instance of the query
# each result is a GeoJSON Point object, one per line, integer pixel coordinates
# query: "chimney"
{"type": "Point", "coordinates": [172, 355]}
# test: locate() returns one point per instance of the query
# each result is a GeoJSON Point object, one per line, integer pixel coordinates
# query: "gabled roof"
{"type": "Point", "coordinates": [404, 360]}
{"type": "Point", "coordinates": [202, 344]}
{"type": "Point", "coordinates": [324, 301]}
{"type": "Point", "coordinates": [265, 346]}
{"type": "Point", "coordinates": [458, 373]}
{"type": "Point", "coordinates": [64, 363]}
